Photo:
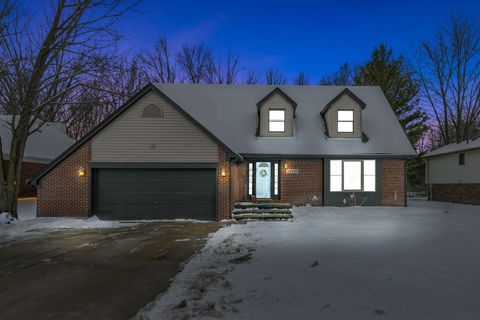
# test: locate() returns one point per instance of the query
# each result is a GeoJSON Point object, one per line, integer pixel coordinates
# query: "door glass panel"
{"type": "Point", "coordinates": [263, 179]}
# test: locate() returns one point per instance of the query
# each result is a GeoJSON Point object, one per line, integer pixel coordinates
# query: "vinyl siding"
{"type": "Point", "coordinates": [276, 101]}
{"type": "Point", "coordinates": [331, 116]}
{"type": "Point", "coordinates": [133, 138]}
{"type": "Point", "coordinates": [445, 168]}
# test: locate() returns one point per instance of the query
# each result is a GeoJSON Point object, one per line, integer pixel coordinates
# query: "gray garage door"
{"type": "Point", "coordinates": [124, 194]}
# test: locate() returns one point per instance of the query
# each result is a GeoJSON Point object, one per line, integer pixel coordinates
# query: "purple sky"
{"type": "Point", "coordinates": [311, 36]}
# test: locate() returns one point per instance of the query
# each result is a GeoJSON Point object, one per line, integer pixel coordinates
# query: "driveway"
{"type": "Point", "coordinates": [94, 273]}
{"type": "Point", "coordinates": [420, 262]}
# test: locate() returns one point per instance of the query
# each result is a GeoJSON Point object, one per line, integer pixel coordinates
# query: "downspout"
{"type": "Point", "coordinates": [230, 187]}
{"type": "Point", "coordinates": [406, 181]}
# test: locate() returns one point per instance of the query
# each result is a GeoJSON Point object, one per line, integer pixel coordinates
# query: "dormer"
{"type": "Point", "coordinates": [343, 116]}
{"type": "Point", "coordinates": [275, 115]}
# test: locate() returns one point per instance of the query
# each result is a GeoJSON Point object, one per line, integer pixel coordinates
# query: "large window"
{"type": "Point", "coordinates": [352, 175]}
{"type": "Point", "coordinates": [345, 121]}
{"type": "Point", "coordinates": [276, 120]}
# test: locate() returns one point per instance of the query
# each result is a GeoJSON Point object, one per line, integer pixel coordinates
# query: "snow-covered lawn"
{"type": "Point", "coordinates": [419, 262]}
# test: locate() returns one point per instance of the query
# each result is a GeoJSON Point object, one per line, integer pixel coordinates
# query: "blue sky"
{"type": "Point", "coordinates": [311, 36]}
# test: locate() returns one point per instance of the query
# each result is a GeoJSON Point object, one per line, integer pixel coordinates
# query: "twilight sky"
{"type": "Point", "coordinates": [311, 36]}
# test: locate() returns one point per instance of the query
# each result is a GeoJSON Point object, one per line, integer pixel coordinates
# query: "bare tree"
{"type": "Point", "coordinates": [449, 71]}
{"type": "Point", "coordinates": [159, 63]}
{"type": "Point", "coordinates": [222, 70]}
{"type": "Point", "coordinates": [194, 61]}
{"type": "Point", "coordinates": [42, 64]}
{"type": "Point", "coordinates": [251, 77]}
{"type": "Point", "coordinates": [275, 76]}
{"type": "Point", "coordinates": [343, 77]}
{"type": "Point", "coordinates": [301, 80]}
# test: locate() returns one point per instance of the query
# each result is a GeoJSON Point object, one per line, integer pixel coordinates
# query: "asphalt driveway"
{"type": "Point", "coordinates": [94, 273]}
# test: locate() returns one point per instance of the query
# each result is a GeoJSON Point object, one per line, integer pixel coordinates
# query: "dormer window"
{"type": "Point", "coordinates": [276, 115]}
{"type": "Point", "coordinates": [345, 121]}
{"type": "Point", "coordinates": [276, 120]}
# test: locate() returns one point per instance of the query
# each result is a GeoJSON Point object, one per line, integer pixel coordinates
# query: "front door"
{"type": "Point", "coordinates": [263, 180]}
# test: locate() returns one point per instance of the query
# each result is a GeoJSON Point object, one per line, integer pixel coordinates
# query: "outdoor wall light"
{"type": "Point", "coordinates": [81, 172]}
{"type": "Point", "coordinates": [223, 173]}
{"type": "Point", "coordinates": [285, 165]}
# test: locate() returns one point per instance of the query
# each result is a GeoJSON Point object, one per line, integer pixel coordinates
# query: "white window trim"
{"type": "Point", "coordinates": [277, 121]}
{"type": "Point", "coordinates": [346, 121]}
{"type": "Point", "coordinates": [362, 175]}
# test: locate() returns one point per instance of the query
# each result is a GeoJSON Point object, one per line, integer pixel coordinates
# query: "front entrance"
{"type": "Point", "coordinates": [264, 179]}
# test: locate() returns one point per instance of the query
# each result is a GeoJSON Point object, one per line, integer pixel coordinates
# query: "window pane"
{"type": "Point", "coordinates": [345, 115]}
{"type": "Point", "coordinates": [352, 175]}
{"type": "Point", "coordinates": [276, 115]}
{"type": "Point", "coordinates": [369, 167]}
{"type": "Point", "coordinates": [335, 183]}
{"type": "Point", "coordinates": [336, 167]}
{"type": "Point", "coordinates": [369, 183]}
{"type": "Point", "coordinates": [276, 126]}
{"type": "Point", "coordinates": [345, 126]}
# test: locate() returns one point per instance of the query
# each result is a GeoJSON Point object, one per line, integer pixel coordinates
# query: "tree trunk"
{"type": "Point", "coordinates": [3, 191]}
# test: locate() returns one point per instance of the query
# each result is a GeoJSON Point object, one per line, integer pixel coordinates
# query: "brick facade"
{"type": "Point", "coordinates": [393, 183]}
{"type": "Point", "coordinates": [61, 191]}
{"type": "Point", "coordinates": [299, 188]}
{"type": "Point", "coordinates": [453, 192]}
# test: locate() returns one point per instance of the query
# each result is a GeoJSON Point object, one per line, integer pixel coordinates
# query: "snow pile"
{"type": "Point", "coordinates": [418, 262]}
{"type": "Point", "coordinates": [6, 218]}
{"type": "Point", "coordinates": [39, 226]}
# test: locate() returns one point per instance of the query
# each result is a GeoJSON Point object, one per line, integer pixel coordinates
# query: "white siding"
{"type": "Point", "coordinates": [173, 138]}
{"type": "Point", "coordinates": [445, 168]}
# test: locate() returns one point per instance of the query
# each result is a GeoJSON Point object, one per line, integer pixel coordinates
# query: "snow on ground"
{"type": "Point", "coordinates": [39, 226]}
{"type": "Point", "coordinates": [419, 262]}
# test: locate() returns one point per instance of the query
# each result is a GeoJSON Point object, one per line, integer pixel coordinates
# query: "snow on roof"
{"type": "Point", "coordinates": [455, 147]}
{"type": "Point", "coordinates": [230, 113]}
{"type": "Point", "coordinates": [42, 146]}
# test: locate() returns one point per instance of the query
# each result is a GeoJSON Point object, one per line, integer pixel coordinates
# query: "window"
{"type": "Point", "coordinates": [461, 159]}
{"type": "Point", "coordinates": [152, 111]}
{"type": "Point", "coordinates": [275, 179]}
{"type": "Point", "coordinates": [345, 121]}
{"type": "Point", "coordinates": [352, 175]}
{"type": "Point", "coordinates": [276, 120]}
{"type": "Point", "coordinates": [250, 179]}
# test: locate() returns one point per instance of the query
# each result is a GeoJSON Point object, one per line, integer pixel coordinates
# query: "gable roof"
{"type": "Point", "coordinates": [230, 112]}
{"type": "Point", "coordinates": [454, 147]}
{"type": "Point", "coordinates": [347, 92]}
{"type": "Point", "coordinates": [279, 91]}
{"type": "Point", "coordinates": [42, 146]}
{"type": "Point", "coordinates": [112, 117]}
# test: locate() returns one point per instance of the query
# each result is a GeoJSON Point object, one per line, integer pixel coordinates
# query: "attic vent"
{"type": "Point", "coordinates": [152, 111]}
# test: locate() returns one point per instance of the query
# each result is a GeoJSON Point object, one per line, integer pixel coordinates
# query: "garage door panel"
{"type": "Point", "coordinates": [155, 193]}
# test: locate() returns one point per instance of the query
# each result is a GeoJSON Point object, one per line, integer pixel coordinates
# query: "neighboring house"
{"type": "Point", "coordinates": [193, 151]}
{"type": "Point", "coordinates": [42, 147]}
{"type": "Point", "coordinates": [453, 172]}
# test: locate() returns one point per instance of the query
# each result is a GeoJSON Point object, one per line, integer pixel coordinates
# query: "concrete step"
{"type": "Point", "coordinates": [256, 210]}
{"type": "Point", "coordinates": [262, 216]}
{"type": "Point", "coordinates": [263, 205]}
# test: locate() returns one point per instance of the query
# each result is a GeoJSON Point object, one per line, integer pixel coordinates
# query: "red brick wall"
{"type": "Point", "coordinates": [393, 182]}
{"type": "Point", "coordinates": [61, 191]}
{"type": "Point", "coordinates": [299, 188]}
{"type": "Point", "coordinates": [223, 186]}
{"type": "Point", "coordinates": [455, 192]}
{"type": "Point", "coordinates": [29, 170]}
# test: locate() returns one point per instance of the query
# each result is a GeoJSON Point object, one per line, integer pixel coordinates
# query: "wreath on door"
{"type": "Point", "coordinates": [263, 173]}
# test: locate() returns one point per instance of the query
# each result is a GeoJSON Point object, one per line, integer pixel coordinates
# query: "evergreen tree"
{"type": "Point", "coordinates": [401, 88]}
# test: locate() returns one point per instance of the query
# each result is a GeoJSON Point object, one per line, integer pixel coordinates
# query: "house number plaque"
{"type": "Point", "coordinates": [292, 170]}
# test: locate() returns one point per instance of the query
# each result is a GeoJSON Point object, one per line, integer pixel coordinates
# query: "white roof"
{"type": "Point", "coordinates": [455, 147]}
{"type": "Point", "coordinates": [230, 113]}
{"type": "Point", "coordinates": [42, 146]}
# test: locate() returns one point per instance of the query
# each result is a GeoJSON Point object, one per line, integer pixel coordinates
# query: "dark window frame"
{"type": "Point", "coordinates": [461, 158]}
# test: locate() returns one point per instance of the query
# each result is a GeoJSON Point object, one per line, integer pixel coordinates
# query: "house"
{"type": "Point", "coordinates": [193, 151]}
{"type": "Point", "coordinates": [453, 172]}
{"type": "Point", "coordinates": [43, 146]}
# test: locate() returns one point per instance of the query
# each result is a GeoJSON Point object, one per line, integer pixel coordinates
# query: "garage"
{"type": "Point", "coordinates": [145, 193]}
